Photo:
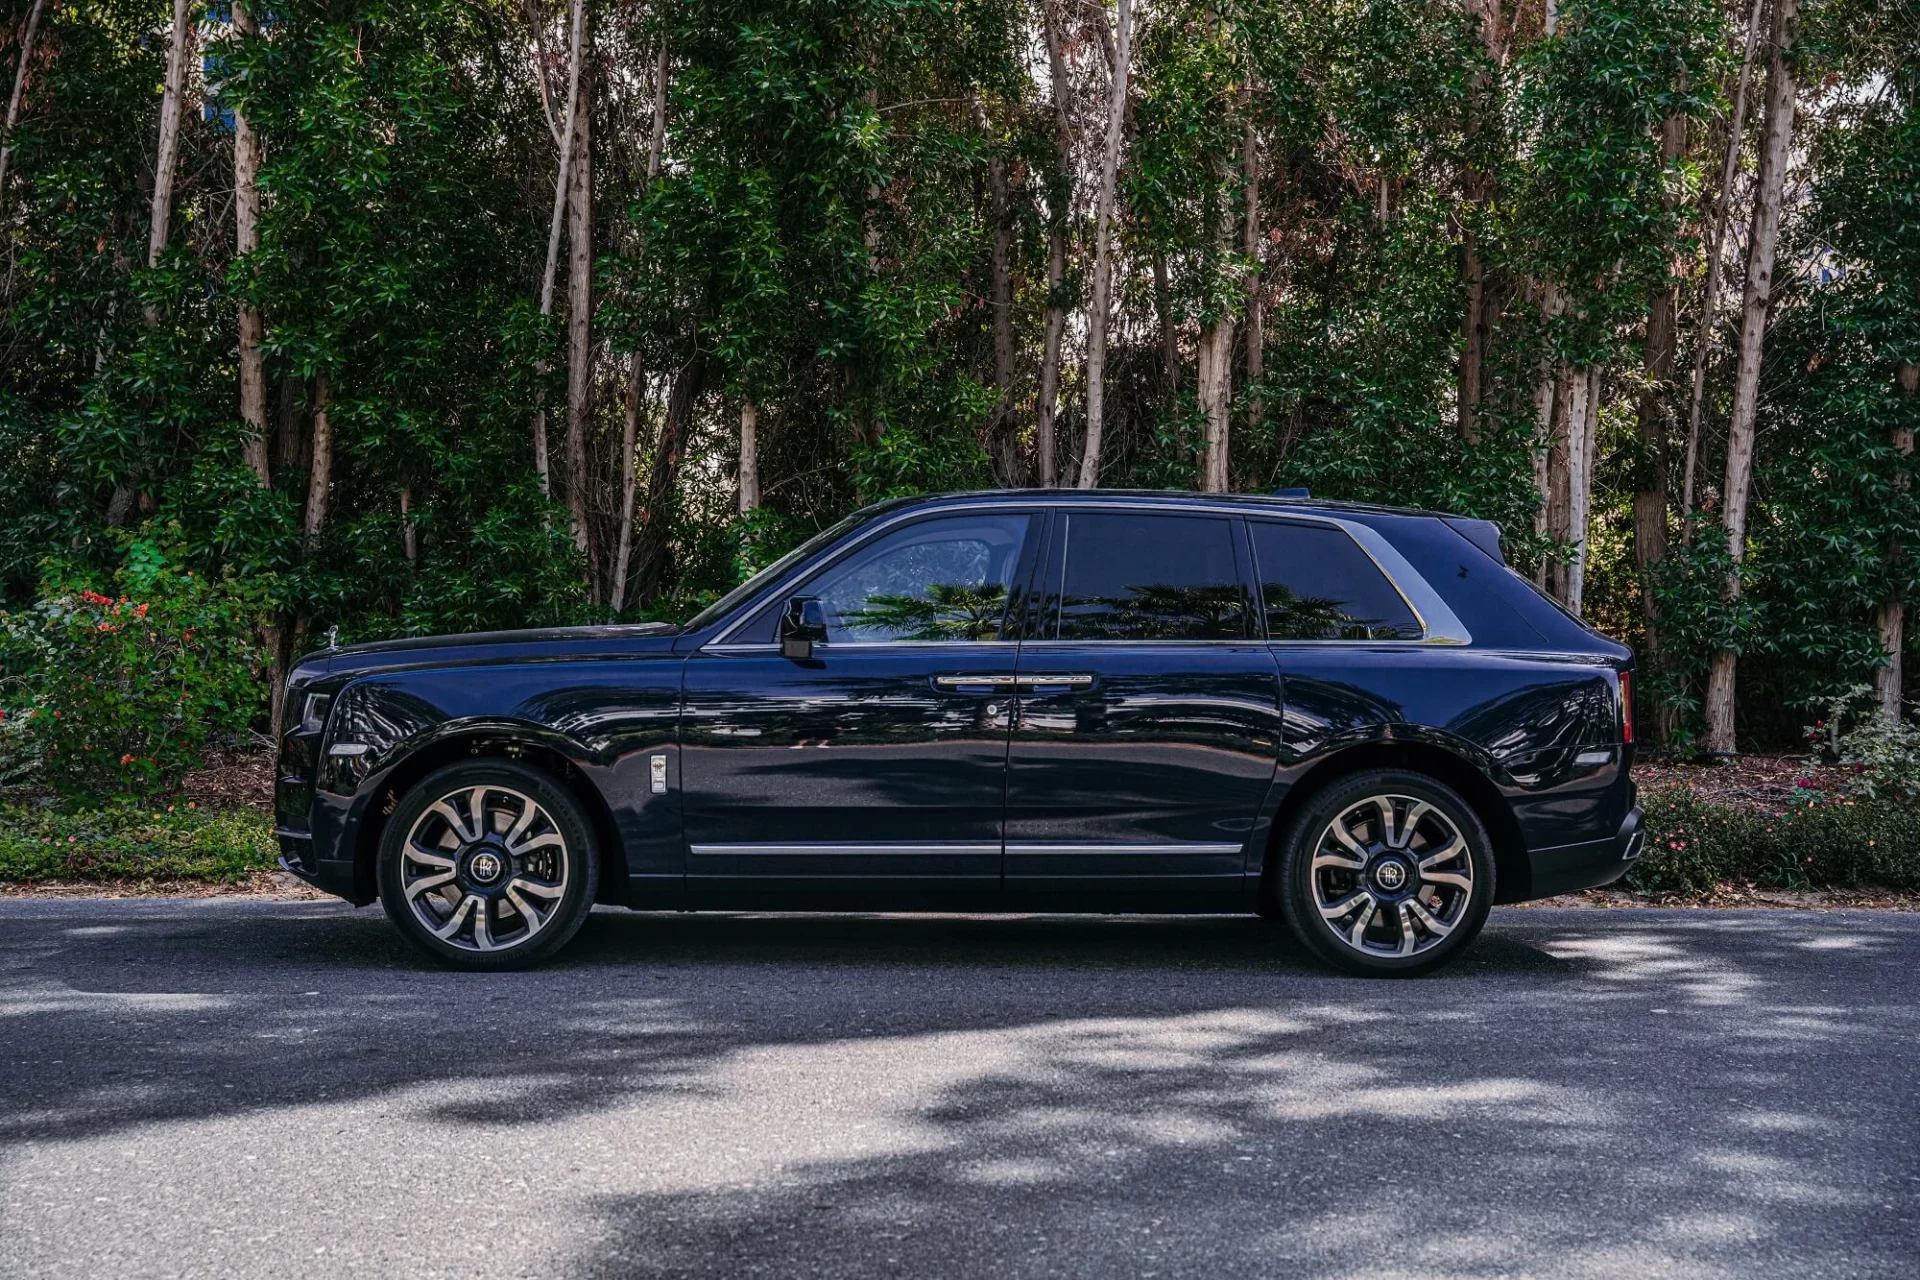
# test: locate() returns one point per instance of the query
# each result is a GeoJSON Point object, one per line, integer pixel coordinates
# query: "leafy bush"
{"type": "Point", "coordinates": [120, 694]}
{"type": "Point", "coordinates": [1882, 752]}
{"type": "Point", "coordinates": [125, 843]}
{"type": "Point", "coordinates": [1821, 840]}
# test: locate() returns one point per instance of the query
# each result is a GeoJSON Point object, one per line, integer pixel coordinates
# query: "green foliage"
{"type": "Point", "coordinates": [133, 844]}
{"type": "Point", "coordinates": [1819, 841]}
{"type": "Point", "coordinates": [1882, 752]}
{"type": "Point", "coordinates": [120, 694]}
{"type": "Point", "coordinates": [821, 236]}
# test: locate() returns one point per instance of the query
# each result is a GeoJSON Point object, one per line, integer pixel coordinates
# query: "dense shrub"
{"type": "Point", "coordinates": [126, 843]}
{"type": "Point", "coordinates": [1818, 841]}
{"type": "Point", "coordinates": [119, 694]}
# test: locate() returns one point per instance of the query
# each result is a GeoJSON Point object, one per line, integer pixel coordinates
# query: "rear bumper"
{"type": "Point", "coordinates": [1588, 865]}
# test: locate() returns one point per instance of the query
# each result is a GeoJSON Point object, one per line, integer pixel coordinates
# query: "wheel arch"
{"type": "Point", "coordinates": [1512, 869]}
{"type": "Point", "coordinates": [480, 744]}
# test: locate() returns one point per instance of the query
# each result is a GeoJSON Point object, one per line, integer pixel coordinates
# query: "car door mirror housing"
{"type": "Point", "coordinates": [802, 626]}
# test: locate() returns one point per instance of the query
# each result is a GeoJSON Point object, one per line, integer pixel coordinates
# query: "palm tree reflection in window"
{"type": "Point", "coordinates": [1156, 612]}
{"type": "Point", "coordinates": [1297, 617]}
{"type": "Point", "coordinates": [948, 611]}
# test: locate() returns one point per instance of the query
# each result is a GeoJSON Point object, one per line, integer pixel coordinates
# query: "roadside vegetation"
{"type": "Point", "coordinates": [428, 315]}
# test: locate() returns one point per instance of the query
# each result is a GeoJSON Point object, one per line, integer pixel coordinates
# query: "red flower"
{"type": "Point", "coordinates": [1807, 783]}
{"type": "Point", "coordinates": [127, 758]}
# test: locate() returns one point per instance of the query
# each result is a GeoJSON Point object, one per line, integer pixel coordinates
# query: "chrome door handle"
{"type": "Point", "coordinates": [972, 682]}
{"type": "Point", "coordinates": [1072, 682]}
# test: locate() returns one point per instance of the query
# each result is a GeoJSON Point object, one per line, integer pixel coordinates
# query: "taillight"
{"type": "Point", "coordinates": [1626, 706]}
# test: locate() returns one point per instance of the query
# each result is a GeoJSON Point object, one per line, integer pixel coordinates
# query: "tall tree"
{"type": "Point", "coordinates": [636, 372]}
{"type": "Point", "coordinates": [1059, 213]}
{"type": "Point", "coordinates": [1715, 253]}
{"type": "Point", "coordinates": [1653, 416]}
{"type": "Point", "coordinates": [580, 351]}
{"type": "Point", "coordinates": [246, 240]}
{"type": "Point", "coordinates": [1775, 153]}
{"type": "Point", "coordinates": [563, 176]}
{"type": "Point", "coordinates": [1097, 310]}
{"type": "Point", "coordinates": [27, 40]}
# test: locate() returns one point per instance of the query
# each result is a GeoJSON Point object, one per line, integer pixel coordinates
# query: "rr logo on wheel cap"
{"type": "Point", "coordinates": [1390, 875]}
{"type": "Point", "coordinates": [485, 868]}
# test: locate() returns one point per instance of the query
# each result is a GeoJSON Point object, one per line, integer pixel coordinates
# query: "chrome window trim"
{"type": "Point", "coordinates": [1438, 622]}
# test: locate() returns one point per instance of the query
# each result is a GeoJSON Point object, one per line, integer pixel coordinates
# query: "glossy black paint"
{"type": "Point", "coordinates": [955, 773]}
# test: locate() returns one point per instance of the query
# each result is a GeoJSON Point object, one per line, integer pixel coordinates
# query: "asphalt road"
{"type": "Point", "coordinates": [249, 1088]}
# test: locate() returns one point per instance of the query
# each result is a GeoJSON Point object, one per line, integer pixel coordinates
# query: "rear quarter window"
{"type": "Point", "coordinates": [1316, 583]}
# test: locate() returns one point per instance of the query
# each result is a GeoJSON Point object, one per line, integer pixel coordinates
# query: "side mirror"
{"type": "Point", "coordinates": [802, 626]}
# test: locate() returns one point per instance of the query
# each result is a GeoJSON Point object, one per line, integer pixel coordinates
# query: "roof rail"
{"type": "Point", "coordinates": [1291, 493]}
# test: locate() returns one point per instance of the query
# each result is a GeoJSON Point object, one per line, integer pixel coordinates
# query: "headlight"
{"type": "Point", "coordinates": [313, 716]}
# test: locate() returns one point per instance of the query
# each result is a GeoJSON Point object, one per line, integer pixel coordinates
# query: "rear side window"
{"type": "Point", "coordinates": [1317, 584]}
{"type": "Point", "coordinates": [1149, 577]}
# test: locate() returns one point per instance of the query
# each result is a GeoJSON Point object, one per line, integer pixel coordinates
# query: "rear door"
{"type": "Point", "coordinates": [1145, 729]}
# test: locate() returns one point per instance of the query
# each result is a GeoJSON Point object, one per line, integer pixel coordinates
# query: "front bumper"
{"type": "Point", "coordinates": [1588, 865]}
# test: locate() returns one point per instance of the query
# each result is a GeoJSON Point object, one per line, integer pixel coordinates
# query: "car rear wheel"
{"type": "Point", "coordinates": [488, 865]}
{"type": "Point", "coordinates": [1387, 873]}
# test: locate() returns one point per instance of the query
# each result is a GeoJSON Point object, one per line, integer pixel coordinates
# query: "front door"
{"type": "Point", "coordinates": [1147, 721]}
{"type": "Point", "coordinates": [878, 766]}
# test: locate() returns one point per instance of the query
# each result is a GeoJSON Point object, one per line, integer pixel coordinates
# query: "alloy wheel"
{"type": "Point", "coordinates": [1392, 876]}
{"type": "Point", "coordinates": [484, 868]}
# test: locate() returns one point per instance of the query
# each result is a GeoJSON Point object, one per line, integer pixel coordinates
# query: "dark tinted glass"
{"type": "Point", "coordinates": [1150, 577]}
{"type": "Point", "coordinates": [946, 578]}
{"type": "Point", "coordinates": [1317, 584]}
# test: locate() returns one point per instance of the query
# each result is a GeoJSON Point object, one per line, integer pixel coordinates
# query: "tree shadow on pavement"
{"type": "Point", "coordinates": [1586, 1093]}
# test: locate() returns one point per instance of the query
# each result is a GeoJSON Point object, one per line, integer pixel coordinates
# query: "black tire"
{"type": "Point", "coordinates": [1387, 917]}
{"type": "Point", "coordinates": [540, 898]}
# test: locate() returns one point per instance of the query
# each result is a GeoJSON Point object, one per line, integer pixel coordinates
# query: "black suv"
{"type": "Point", "coordinates": [1355, 719]}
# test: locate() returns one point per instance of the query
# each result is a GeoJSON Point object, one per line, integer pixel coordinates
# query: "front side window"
{"type": "Point", "coordinates": [948, 578]}
{"type": "Point", "coordinates": [1129, 576]}
{"type": "Point", "coordinates": [1317, 584]}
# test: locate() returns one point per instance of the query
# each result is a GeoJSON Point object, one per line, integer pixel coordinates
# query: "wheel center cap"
{"type": "Point", "coordinates": [485, 867]}
{"type": "Point", "coordinates": [1391, 875]}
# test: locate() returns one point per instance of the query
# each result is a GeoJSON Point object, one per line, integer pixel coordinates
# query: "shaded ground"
{"type": "Point", "coordinates": [258, 1087]}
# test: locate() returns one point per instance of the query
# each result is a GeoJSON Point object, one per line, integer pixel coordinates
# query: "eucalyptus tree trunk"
{"type": "Point", "coordinates": [1047, 410]}
{"type": "Point", "coordinates": [1103, 259]}
{"type": "Point", "coordinates": [1474, 327]}
{"type": "Point", "coordinates": [541, 460]}
{"type": "Point", "coordinates": [1891, 619]}
{"type": "Point", "coordinates": [1214, 383]}
{"type": "Point", "coordinates": [27, 41]}
{"type": "Point", "coordinates": [1709, 299]}
{"type": "Point", "coordinates": [320, 470]}
{"type": "Point", "coordinates": [1583, 420]}
{"type": "Point", "coordinates": [246, 239]}
{"type": "Point", "coordinates": [1252, 236]}
{"type": "Point", "coordinates": [749, 456]}
{"type": "Point", "coordinates": [636, 373]}
{"type": "Point", "coordinates": [580, 329]}
{"type": "Point", "coordinates": [167, 154]}
{"type": "Point", "coordinates": [1552, 300]}
{"type": "Point", "coordinates": [1003, 440]}
{"type": "Point", "coordinates": [1774, 155]}
{"type": "Point", "coordinates": [1653, 418]}
{"type": "Point", "coordinates": [126, 493]}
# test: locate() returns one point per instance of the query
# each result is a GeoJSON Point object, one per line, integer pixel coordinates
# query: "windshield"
{"type": "Point", "coordinates": [767, 576]}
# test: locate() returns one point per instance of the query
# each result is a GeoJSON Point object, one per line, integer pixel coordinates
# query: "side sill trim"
{"type": "Point", "coordinates": [841, 850]}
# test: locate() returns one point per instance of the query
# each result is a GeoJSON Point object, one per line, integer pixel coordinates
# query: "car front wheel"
{"type": "Point", "coordinates": [1386, 873]}
{"type": "Point", "coordinates": [488, 864]}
